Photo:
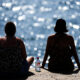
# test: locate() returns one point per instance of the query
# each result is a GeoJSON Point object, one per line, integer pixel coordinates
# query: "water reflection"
{"type": "Point", "coordinates": [35, 20]}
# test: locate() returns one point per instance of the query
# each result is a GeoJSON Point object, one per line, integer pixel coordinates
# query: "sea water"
{"type": "Point", "coordinates": [35, 20]}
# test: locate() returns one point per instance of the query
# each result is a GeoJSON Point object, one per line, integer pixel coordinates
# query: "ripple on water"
{"type": "Point", "coordinates": [22, 36]}
{"type": "Point", "coordinates": [17, 8]}
{"type": "Point", "coordinates": [31, 33]}
{"type": "Point", "coordinates": [45, 2]}
{"type": "Point", "coordinates": [24, 7]}
{"type": "Point", "coordinates": [73, 16]}
{"type": "Point", "coordinates": [41, 19]}
{"type": "Point", "coordinates": [41, 36]}
{"type": "Point", "coordinates": [8, 5]}
{"type": "Point", "coordinates": [77, 2]}
{"type": "Point", "coordinates": [29, 47]}
{"type": "Point", "coordinates": [48, 27]}
{"type": "Point", "coordinates": [35, 49]}
{"type": "Point", "coordinates": [30, 12]}
{"type": "Point", "coordinates": [44, 9]}
{"type": "Point", "coordinates": [63, 8]}
{"type": "Point", "coordinates": [39, 53]}
{"type": "Point", "coordinates": [41, 44]}
{"type": "Point", "coordinates": [68, 2]}
{"type": "Point", "coordinates": [0, 8]}
{"type": "Point", "coordinates": [5, 19]}
{"type": "Point", "coordinates": [20, 18]}
{"type": "Point", "coordinates": [74, 25]}
{"type": "Point", "coordinates": [30, 7]}
{"type": "Point", "coordinates": [36, 24]}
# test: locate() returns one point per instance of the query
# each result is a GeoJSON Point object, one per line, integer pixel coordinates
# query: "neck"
{"type": "Point", "coordinates": [10, 37]}
{"type": "Point", "coordinates": [60, 33]}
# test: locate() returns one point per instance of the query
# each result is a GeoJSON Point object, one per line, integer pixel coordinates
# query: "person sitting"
{"type": "Point", "coordinates": [60, 47]}
{"type": "Point", "coordinates": [13, 56]}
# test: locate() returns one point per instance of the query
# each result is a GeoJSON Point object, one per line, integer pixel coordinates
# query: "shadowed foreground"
{"type": "Point", "coordinates": [46, 75]}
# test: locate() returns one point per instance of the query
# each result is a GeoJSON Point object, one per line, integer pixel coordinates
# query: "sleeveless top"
{"type": "Point", "coordinates": [10, 58]}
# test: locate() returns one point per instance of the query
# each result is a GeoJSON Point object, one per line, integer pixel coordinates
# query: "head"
{"type": "Point", "coordinates": [60, 26]}
{"type": "Point", "coordinates": [10, 29]}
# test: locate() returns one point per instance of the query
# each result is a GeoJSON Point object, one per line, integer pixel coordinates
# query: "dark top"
{"type": "Point", "coordinates": [10, 58]}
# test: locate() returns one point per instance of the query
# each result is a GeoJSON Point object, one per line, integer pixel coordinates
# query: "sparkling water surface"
{"type": "Point", "coordinates": [35, 20]}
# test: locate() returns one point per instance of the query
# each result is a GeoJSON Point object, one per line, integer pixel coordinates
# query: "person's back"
{"type": "Point", "coordinates": [60, 53]}
{"type": "Point", "coordinates": [60, 47]}
{"type": "Point", "coordinates": [13, 56]}
{"type": "Point", "coordinates": [10, 55]}
{"type": "Point", "coordinates": [60, 44]}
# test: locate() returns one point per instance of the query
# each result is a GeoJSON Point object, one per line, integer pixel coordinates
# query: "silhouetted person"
{"type": "Point", "coordinates": [60, 48]}
{"type": "Point", "coordinates": [13, 57]}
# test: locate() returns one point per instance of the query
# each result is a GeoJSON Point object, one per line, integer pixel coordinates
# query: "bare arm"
{"type": "Point", "coordinates": [73, 49]}
{"type": "Point", "coordinates": [46, 53]}
{"type": "Point", "coordinates": [44, 60]}
{"type": "Point", "coordinates": [24, 54]}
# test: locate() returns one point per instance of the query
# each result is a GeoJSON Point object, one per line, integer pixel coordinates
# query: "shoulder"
{"type": "Point", "coordinates": [18, 39]}
{"type": "Point", "coordinates": [70, 37]}
{"type": "Point", "coordinates": [22, 45]}
{"type": "Point", "coordinates": [51, 36]}
{"type": "Point", "coordinates": [2, 39]}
